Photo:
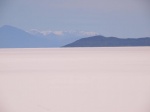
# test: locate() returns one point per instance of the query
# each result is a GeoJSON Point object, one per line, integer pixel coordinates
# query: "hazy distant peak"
{"type": "Point", "coordinates": [7, 27]}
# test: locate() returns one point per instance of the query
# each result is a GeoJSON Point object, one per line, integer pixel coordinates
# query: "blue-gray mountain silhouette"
{"type": "Point", "coordinates": [12, 37]}
{"type": "Point", "coordinates": [101, 41]}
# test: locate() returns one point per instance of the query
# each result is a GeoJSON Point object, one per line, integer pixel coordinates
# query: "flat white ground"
{"type": "Point", "coordinates": [75, 80]}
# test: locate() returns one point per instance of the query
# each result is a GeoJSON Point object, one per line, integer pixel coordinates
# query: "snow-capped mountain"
{"type": "Point", "coordinates": [62, 37]}
{"type": "Point", "coordinates": [62, 33]}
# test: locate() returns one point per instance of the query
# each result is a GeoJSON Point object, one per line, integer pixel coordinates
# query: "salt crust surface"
{"type": "Point", "coordinates": [75, 79]}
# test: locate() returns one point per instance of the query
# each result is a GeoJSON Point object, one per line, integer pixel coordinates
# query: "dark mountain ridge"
{"type": "Point", "coordinates": [101, 41]}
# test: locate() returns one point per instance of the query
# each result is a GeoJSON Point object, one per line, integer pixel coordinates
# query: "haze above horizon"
{"type": "Point", "coordinates": [120, 18]}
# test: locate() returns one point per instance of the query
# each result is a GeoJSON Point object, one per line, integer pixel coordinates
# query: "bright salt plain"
{"type": "Point", "coordinates": [75, 80]}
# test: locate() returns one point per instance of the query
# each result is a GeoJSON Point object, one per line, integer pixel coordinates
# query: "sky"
{"type": "Point", "coordinates": [120, 18]}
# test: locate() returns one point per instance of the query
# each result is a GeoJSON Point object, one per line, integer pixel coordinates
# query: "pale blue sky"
{"type": "Point", "coordinates": [121, 18]}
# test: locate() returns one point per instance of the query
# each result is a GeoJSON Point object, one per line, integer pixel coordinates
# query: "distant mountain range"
{"type": "Point", "coordinates": [12, 37]}
{"type": "Point", "coordinates": [101, 41]}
